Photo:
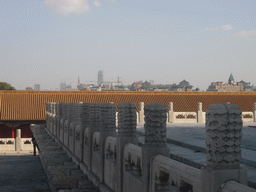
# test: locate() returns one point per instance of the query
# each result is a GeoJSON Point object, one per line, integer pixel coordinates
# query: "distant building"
{"type": "Point", "coordinates": [29, 89]}
{"type": "Point", "coordinates": [230, 86]}
{"type": "Point", "coordinates": [136, 86]}
{"type": "Point", "coordinates": [148, 86]}
{"type": "Point", "coordinates": [100, 78]}
{"type": "Point", "coordinates": [37, 87]}
{"type": "Point", "coordinates": [63, 86]}
{"type": "Point", "coordinates": [182, 86]}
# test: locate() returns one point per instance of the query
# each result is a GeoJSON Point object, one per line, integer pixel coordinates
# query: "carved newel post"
{"type": "Point", "coordinates": [223, 147]}
{"type": "Point", "coordinates": [54, 122]}
{"type": "Point", "coordinates": [76, 120]}
{"type": "Point", "coordinates": [108, 128]}
{"type": "Point", "coordinates": [62, 121]}
{"type": "Point", "coordinates": [170, 113]}
{"type": "Point", "coordinates": [47, 115]}
{"type": "Point", "coordinates": [79, 132]}
{"type": "Point", "coordinates": [59, 117]}
{"type": "Point", "coordinates": [126, 133]}
{"type": "Point", "coordinates": [141, 112]}
{"type": "Point", "coordinates": [254, 112]}
{"type": "Point", "coordinates": [199, 113]}
{"type": "Point", "coordinates": [94, 126]}
{"type": "Point", "coordinates": [155, 139]}
{"type": "Point", "coordinates": [52, 118]}
{"type": "Point", "coordinates": [67, 123]}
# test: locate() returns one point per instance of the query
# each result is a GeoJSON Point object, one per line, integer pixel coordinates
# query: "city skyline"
{"type": "Point", "coordinates": [53, 41]}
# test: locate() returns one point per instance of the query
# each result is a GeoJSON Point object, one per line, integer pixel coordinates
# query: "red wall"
{"type": "Point", "coordinates": [6, 131]}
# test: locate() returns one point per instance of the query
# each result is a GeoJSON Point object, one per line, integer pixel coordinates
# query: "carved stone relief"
{"type": "Point", "coordinates": [126, 119]}
{"type": "Point", "coordinates": [155, 123]}
{"type": "Point", "coordinates": [223, 135]}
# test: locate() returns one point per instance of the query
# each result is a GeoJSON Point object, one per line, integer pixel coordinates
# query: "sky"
{"type": "Point", "coordinates": [47, 42]}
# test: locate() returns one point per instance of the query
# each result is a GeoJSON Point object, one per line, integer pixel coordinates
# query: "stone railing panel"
{"type": "Point", "coordinates": [7, 144]}
{"type": "Point", "coordinates": [26, 144]}
{"type": "Point", "coordinates": [86, 147]}
{"type": "Point", "coordinates": [132, 158]}
{"type": "Point", "coordinates": [110, 166]}
{"type": "Point", "coordinates": [247, 116]}
{"type": "Point", "coordinates": [233, 186]}
{"type": "Point", "coordinates": [185, 117]}
{"type": "Point", "coordinates": [132, 168]}
{"type": "Point", "coordinates": [96, 166]}
{"type": "Point", "coordinates": [168, 172]}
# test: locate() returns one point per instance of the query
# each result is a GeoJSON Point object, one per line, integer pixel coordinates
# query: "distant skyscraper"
{"type": "Point", "coordinates": [63, 86]}
{"type": "Point", "coordinates": [37, 87]}
{"type": "Point", "coordinates": [100, 78]}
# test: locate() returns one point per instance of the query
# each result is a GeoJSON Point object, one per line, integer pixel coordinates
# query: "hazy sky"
{"type": "Point", "coordinates": [51, 41]}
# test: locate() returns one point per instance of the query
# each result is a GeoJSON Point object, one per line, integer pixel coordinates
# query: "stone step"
{"type": "Point", "coordinates": [84, 190]}
{"type": "Point", "coordinates": [69, 164]}
{"type": "Point", "coordinates": [87, 185]}
{"type": "Point", "coordinates": [77, 172]}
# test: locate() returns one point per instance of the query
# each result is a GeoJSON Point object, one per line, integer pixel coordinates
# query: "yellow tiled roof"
{"type": "Point", "coordinates": [30, 105]}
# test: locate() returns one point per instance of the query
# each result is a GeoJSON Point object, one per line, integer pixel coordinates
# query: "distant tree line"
{"type": "Point", "coordinates": [6, 86]}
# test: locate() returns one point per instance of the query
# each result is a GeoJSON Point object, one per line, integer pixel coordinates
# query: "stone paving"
{"type": "Point", "coordinates": [191, 136]}
{"type": "Point", "coordinates": [22, 173]}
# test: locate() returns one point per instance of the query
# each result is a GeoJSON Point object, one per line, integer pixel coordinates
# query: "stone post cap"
{"type": "Point", "coordinates": [85, 114]}
{"type": "Point", "coordinates": [155, 124]}
{"type": "Point", "coordinates": [199, 106]}
{"type": "Point", "coordinates": [141, 106]}
{"type": "Point", "coordinates": [64, 109]}
{"type": "Point", "coordinates": [170, 105]}
{"type": "Point", "coordinates": [77, 111]}
{"type": "Point", "coordinates": [224, 108]}
{"type": "Point", "coordinates": [95, 116]}
{"type": "Point", "coordinates": [108, 113]}
{"type": "Point", "coordinates": [155, 106]}
{"type": "Point", "coordinates": [223, 136]}
{"type": "Point", "coordinates": [127, 119]}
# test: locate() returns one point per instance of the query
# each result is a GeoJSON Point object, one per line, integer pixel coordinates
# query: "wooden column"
{"type": "Point", "coordinates": [13, 131]}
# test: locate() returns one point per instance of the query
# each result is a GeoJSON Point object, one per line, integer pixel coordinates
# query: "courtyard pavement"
{"type": "Point", "coordinates": [22, 173]}
{"type": "Point", "coordinates": [194, 135]}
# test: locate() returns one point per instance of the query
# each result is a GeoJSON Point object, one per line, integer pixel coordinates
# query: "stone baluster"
{"type": "Point", "coordinates": [59, 117]}
{"type": "Point", "coordinates": [254, 112]}
{"type": "Point", "coordinates": [170, 113]}
{"type": "Point", "coordinates": [199, 113]}
{"type": "Point", "coordinates": [47, 115]}
{"type": "Point", "coordinates": [108, 128]}
{"type": "Point", "coordinates": [155, 139]}
{"type": "Point", "coordinates": [126, 133]}
{"type": "Point", "coordinates": [94, 126]}
{"type": "Point", "coordinates": [223, 147]}
{"type": "Point", "coordinates": [63, 120]}
{"type": "Point", "coordinates": [66, 125]}
{"type": "Point", "coordinates": [56, 119]}
{"type": "Point", "coordinates": [76, 120]}
{"type": "Point", "coordinates": [51, 114]}
{"type": "Point", "coordinates": [79, 131]}
{"type": "Point", "coordinates": [18, 140]}
{"type": "Point", "coordinates": [50, 117]}
{"type": "Point", "coordinates": [54, 111]}
{"type": "Point", "coordinates": [141, 112]}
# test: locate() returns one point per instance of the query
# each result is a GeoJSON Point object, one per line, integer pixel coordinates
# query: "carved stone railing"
{"type": "Point", "coordinates": [132, 169]}
{"type": "Point", "coordinates": [10, 144]}
{"type": "Point", "coordinates": [110, 166]}
{"type": "Point", "coordinates": [168, 173]}
{"type": "Point", "coordinates": [113, 161]}
{"type": "Point", "coordinates": [7, 144]}
{"type": "Point", "coordinates": [247, 116]}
